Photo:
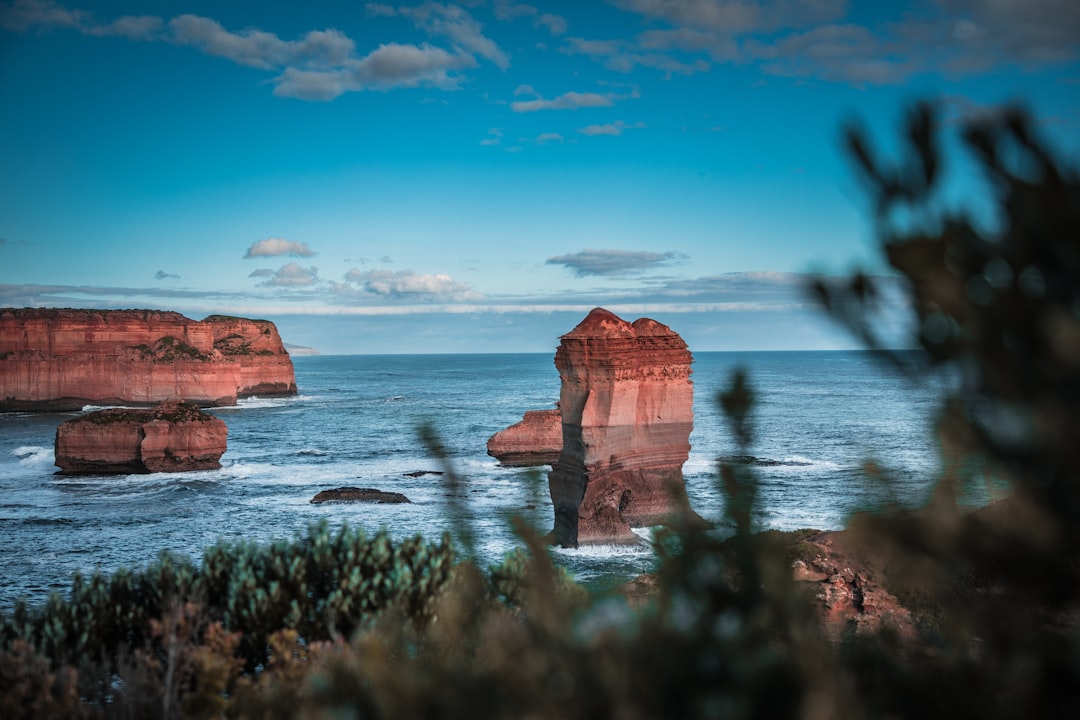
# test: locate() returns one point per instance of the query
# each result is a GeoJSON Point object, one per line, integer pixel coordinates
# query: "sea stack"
{"type": "Point", "coordinates": [627, 412]}
{"type": "Point", "coordinates": [63, 359]}
{"type": "Point", "coordinates": [172, 437]}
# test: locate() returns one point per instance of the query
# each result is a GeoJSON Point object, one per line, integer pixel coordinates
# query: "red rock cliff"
{"type": "Point", "coordinates": [64, 359]}
{"type": "Point", "coordinates": [627, 413]}
{"type": "Point", "coordinates": [172, 437]}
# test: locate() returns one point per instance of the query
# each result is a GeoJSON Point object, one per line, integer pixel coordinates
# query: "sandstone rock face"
{"type": "Point", "coordinates": [65, 359]}
{"type": "Point", "coordinates": [850, 594]}
{"type": "Point", "coordinates": [627, 412]}
{"type": "Point", "coordinates": [172, 437]}
{"type": "Point", "coordinates": [536, 440]}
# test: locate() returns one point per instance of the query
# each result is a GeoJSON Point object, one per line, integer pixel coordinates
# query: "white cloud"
{"type": "Point", "coordinates": [261, 273]}
{"type": "Point", "coordinates": [549, 137]}
{"type": "Point", "coordinates": [408, 65]}
{"type": "Point", "coordinates": [293, 275]}
{"type": "Point", "coordinates": [404, 284]}
{"type": "Point", "coordinates": [273, 247]}
{"type": "Point", "coordinates": [162, 275]}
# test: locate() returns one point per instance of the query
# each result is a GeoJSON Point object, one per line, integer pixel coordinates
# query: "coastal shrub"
{"type": "Point", "coordinates": [322, 585]}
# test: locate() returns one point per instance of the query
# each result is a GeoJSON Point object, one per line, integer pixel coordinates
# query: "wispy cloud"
{"type": "Point", "coordinates": [408, 293]}
{"type": "Point", "coordinates": [613, 262]}
{"type": "Point", "coordinates": [276, 247]}
{"type": "Point", "coordinates": [615, 128]}
{"type": "Point", "coordinates": [508, 10]}
{"type": "Point", "coordinates": [460, 27]}
{"type": "Point", "coordinates": [566, 101]}
{"type": "Point", "coordinates": [406, 284]}
{"type": "Point", "coordinates": [162, 275]}
{"type": "Point", "coordinates": [318, 65]}
{"type": "Point", "coordinates": [256, 48]}
{"type": "Point", "coordinates": [818, 39]}
{"type": "Point", "coordinates": [494, 137]}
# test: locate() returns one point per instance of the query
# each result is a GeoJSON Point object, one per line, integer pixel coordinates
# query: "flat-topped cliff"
{"type": "Point", "coordinates": [63, 359]}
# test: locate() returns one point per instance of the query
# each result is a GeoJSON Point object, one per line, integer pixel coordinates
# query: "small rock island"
{"type": "Point", "coordinates": [172, 437]}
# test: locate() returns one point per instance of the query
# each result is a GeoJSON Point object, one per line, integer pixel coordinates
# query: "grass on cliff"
{"type": "Point", "coordinates": [284, 631]}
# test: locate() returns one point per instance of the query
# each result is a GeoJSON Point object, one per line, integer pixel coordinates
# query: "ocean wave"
{"type": "Point", "coordinates": [34, 456]}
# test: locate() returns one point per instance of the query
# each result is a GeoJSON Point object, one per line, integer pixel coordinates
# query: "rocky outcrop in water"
{"type": "Point", "coordinates": [172, 437]}
{"type": "Point", "coordinates": [65, 359]}
{"type": "Point", "coordinates": [627, 411]}
{"type": "Point", "coordinates": [536, 440]}
{"type": "Point", "coordinates": [354, 494]}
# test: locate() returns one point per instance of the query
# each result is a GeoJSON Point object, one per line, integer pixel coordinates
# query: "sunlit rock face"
{"type": "Point", "coordinates": [172, 437]}
{"type": "Point", "coordinates": [536, 440]}
{"type": "Point", "coordinates": [627, 412]}
{"type": "Point", "coordinates": [63, 359]}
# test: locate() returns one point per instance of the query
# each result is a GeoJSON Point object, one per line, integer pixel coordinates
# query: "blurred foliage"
{"type": "Point", "coordinates": [998, 313]}
{"type": "Point", "coordinates": [342, 625]}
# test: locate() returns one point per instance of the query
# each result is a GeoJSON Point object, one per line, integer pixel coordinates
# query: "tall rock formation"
{"type": "Point", "coordinates": [536, 440]}
{"type": "Point", "coordinates": [172, 437]}
{"type": "Point", "coordinates": [62, 359]}
{"type": "Point", "coordinates": [627, 412]}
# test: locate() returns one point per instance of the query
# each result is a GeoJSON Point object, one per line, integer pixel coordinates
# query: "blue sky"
{"type": "Point", "coordinates": [475, 176]}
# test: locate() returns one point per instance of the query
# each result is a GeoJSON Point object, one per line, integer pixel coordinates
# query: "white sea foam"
{"type": "Point", "coordinates": [258, 403]}
{"type": "Point", "coordinates": [95, 408]}
{"type": "Point", "coordinates": [34, 456]}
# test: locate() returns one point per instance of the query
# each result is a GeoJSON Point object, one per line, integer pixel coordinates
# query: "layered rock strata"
{"type": "Point", "coordinates": [536, 440]}
{"type": "Point", "coordinates": [64, 359]}
{"type": "Point", "coordinates": [627, 411]}
{"type": "Point", "coordinates": [172, 437]}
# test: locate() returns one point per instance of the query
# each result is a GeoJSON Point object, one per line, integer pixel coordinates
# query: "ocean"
{"type": "Point", "coordinates": [820, 417]}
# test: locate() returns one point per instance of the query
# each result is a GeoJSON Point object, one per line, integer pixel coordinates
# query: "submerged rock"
{"type": "Point", "coordinates": [627, 411]}
{"type": "Point", "coordinates": [172, 437]}
{"type": "Point", "coordinates": [354, 494]}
